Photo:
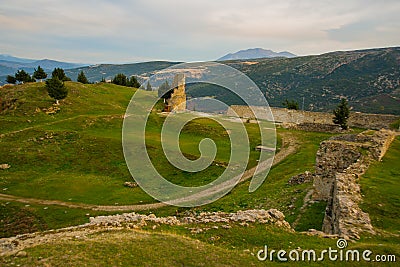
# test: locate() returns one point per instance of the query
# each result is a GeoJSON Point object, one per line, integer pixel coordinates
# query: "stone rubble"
{"type": "Point", "coordinates": [273, 216]}
{"type": "Point", "coordinates": [130, 184]}
{"type": "Point", "coordinates": [133, 220]}
{"type": "Point", "coordinates": [301, 178]}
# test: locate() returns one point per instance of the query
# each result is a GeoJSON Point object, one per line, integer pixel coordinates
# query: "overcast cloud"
{"type": "Point", "coordinates": [142, 30]}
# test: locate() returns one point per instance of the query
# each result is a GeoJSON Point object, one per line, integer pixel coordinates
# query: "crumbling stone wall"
{"type": "Point", "coordinates": [332, 157]}
{"type": "Point", "coordinates": [177, 102]}
{"type": "Point", "coordinates": [314, 127]}
{"type": "Point", "coordinates": [339, 164]}
{"type": "Point", "coordinates": [196, 222]}
{"type": "Point", "coordinates": [283, 115]}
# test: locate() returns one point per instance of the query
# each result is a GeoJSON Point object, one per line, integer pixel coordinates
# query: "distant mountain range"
{"type": "Point", "coordinates": [369, 79]}
{"type": "Point", "coordinates": [254, 53]}
{"type": "Point", "coordinates": [10, 64]}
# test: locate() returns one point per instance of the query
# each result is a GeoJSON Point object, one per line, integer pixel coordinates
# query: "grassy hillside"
{"type": "Point", "coordinates": [76, 156]}
{"type": "Point", "coordinates": [380, 185]}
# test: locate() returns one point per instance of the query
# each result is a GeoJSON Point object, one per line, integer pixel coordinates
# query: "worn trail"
{"type": "Point", "coordinates": [289, 146]}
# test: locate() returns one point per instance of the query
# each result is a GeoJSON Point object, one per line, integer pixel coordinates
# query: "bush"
{"type": "Point", "coordinates": [291, 104]}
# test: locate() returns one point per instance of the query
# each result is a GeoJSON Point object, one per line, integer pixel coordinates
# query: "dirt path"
{"type": "Point", "coordinates": [55, 122]}
{"type": "Point", "coordinates": [289, 146]}
{"type": "Point", "coordinates": [40, 125]}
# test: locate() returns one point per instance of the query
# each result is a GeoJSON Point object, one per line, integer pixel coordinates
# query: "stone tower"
{"type": "Point", "coordinates": [176, 100]}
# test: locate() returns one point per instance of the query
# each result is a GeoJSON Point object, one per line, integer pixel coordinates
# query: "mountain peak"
{"type": "Point", "coordinates": [252, 53]}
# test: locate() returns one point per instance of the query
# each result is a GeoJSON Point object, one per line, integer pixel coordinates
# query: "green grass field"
{"type": "Point", "coordinates": [76, 156]}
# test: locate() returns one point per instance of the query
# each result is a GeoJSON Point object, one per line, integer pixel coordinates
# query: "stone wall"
{"type": "Point", "coordinates": [314, 127]}
{"type": "Point", "coordinates": [339, 164]}
{"type": "Point", "coordinates": [332, 157]}
{"type": "Point", "coordinates": [283, 115]}
{"type": "Point", "coordinates": [177, 102]}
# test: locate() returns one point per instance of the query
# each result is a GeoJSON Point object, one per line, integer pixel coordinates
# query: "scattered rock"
{"type": "Point", "coordinates": [51, 110]}
{"type": "Point", "coordinates": [302, 178]}
{"type": "Point", "coordinates": [195, 230]}
{"type": "Point", "coordinates": [4, 166]}
{"type": "Point", "coordinates": [21, 254]}
{"type": "Point", "coordinates": [244, 217]}
{"type": "Point", "coordinates": [130, 184]}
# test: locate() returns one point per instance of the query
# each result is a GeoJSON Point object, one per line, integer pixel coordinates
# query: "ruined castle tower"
{"type": "Point", "coordinates": [175, 99]}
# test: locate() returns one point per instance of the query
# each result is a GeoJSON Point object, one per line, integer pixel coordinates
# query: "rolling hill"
{"type": "Point", "coordinates": [107, 71]}
{"type": "Point", "coordinates": [9, 65]}
{"type": "Point", "coordinates": [369, 79]}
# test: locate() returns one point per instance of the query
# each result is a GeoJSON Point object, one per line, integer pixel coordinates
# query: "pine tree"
{"type": "Point", "coordinates": [120, 79]}
{"type": "Point", "coordinates": [56, 89]}
{"type": "Point", "coordinates": [82, 78]}
{"type": "Point", "coordinates": [22, 76]}
{"type": "Point", "coordinates": [133, 82]}
{"type": "Point", "coordinates": [342, 113]}
{"type": "Point", "coordinates": [149, 88]}
{"type": "Point", "coordinates": [60, 74]}
{"type": "Point", "coordinates": [11, 79]}
{"type": "Point", "coordinates": [39, 74]}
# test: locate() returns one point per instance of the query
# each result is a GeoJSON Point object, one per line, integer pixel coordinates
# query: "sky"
{"type": "Point", "coordinates": [122, 31]}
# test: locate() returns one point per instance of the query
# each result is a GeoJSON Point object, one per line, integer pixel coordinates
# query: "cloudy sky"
{"type": "Point", "coordinates": [120, 31]}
